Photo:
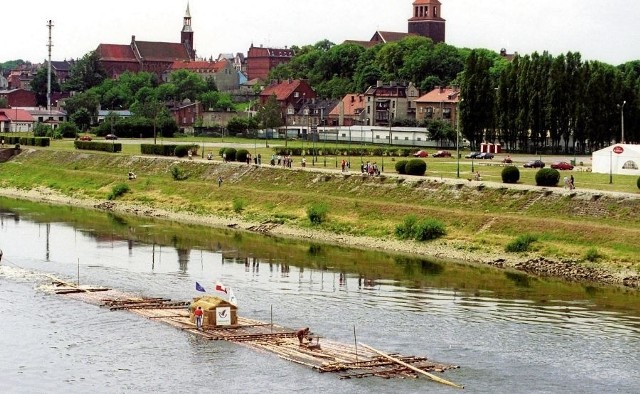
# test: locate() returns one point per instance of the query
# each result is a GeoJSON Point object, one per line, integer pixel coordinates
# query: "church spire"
{"type": "Point", "coordinates": [186, 36]}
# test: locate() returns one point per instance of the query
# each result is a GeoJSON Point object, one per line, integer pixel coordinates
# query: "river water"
{"type": "Point", "coordinates": [509, 333]}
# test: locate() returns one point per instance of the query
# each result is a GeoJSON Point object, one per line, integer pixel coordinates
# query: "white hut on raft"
{"type": "Point", "coordinates": [217, 312]}
{"type": "Point", "coordinates": [622, 159]}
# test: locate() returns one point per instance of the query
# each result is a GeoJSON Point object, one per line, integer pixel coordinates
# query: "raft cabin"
{"type": "Point", "coordinates": [217, 312]}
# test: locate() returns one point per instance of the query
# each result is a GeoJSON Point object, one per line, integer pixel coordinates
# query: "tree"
{"type": "Point", "coordinates": [476, 108]}
{"type": "Point", "coordinates": [270, 116]}
{"type": "Point", "coordinates": [87, 101]}
{"type": "Point", "coordinates": [82, 118]}
{"type": "Point", "coordinates": [4, 103]}
{"type": "Point", "coordinates": [39, 85]}
{"type": "Point", "coordinates": [149, 107]}
{"type": "Point", "coordinates": [86, 73]}
{"type": "Point", "coordinates": [441, 131]}
{"type": "Point", "coordinates": [188, 85]}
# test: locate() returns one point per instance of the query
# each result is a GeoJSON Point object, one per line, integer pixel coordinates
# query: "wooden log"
{"type": "Point", "coordinates": [411, 367]}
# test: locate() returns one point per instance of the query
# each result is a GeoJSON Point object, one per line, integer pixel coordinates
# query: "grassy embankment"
{"type": "Point", "coordinates": [476, 221]}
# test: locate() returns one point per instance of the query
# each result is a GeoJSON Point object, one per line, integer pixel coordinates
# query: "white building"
{"type": "Point", "coordinates": [622, 159]}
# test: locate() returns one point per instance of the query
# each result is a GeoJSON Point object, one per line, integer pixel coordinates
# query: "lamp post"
{"type": "Point", "coordinates": [621, 108]}
{"type": "Point", "coordinates": [458, 138]}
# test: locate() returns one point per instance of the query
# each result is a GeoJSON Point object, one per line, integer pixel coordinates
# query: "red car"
{"type": "Point", "coordinates": [442, 153]}
{"type": "Point", "coordinates": [421, 153]}
{"type": "Point", "coordinates": [85, 138]}
{"type": "Point", "coordinates": [562, 165]}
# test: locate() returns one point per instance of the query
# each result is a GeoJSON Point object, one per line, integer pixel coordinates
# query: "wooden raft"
{"type": "Point", "coordinates": [322, 355]}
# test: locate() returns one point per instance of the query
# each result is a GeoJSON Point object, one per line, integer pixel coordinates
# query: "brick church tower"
{"type": "Point", "coordinates": [186, 36]}
{"type": "Point", "coordinates": [426, 20]}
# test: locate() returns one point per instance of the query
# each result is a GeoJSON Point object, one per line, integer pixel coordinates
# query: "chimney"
{"type": "Point", "coordinates": [133, 39]}
{"type": "Point", "coordinates": [378, 84]}
{"type": "Point", "coordinates": [353, 98]}
{"type": "Point", "coordinates": [441, 89]}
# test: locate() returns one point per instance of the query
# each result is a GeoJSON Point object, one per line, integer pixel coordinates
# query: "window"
{"type": "Point", "coordinates": [446, 113]}
{"type": "Point", "coordinates": [296, 94]}
{"type": "Point", "coordinates": [405, 138]}
{"type": "Point", "coordinates": [419, 139]}
{"type": "Point", "coordinates": [630, 165]}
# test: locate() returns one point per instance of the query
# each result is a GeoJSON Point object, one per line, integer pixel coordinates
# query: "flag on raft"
{"type": "Point", "coordinates": [232, 297]}
{"type": "Point", "coordinates": [221, 288]}
{"type": "Point", "coordinates": [200, 288]}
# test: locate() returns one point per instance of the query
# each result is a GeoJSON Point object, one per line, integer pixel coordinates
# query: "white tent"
{"type": "Point", "coordinates": [623, 159]}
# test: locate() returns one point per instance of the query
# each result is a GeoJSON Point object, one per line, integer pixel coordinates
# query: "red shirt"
{"type": "Point", "coordinates": [198, 312]}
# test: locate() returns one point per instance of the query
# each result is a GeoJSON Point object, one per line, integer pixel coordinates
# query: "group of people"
{"type": "Point", "coordinates": [569, 183]}
{"type": "Point", "coordinates": [345, 165]}
{"type": "Point", "coordinates": [284, 161]}
{"type": "Point", "coordinates": [370, 168]}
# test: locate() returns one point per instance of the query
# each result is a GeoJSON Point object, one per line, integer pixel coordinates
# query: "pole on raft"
{"type": "Point", "coordinates": [272, 319]}
{"type": "Point", "coordinates": [411, 367]}
{"type": "Point", "coordinates": [78, 271]}
{"type": "Point", "coordinates": [355, 340]}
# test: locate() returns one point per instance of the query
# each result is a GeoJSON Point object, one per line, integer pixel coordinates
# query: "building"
{"type": "Point", "coordinates": [349, 111]}
{"type": "Point", "coordinates": [386, 103]}
{"type": "Point", "coordinates": [310, 112]}
{"type": "Point", "coordinates": [290, 95]}
{"type": "Point", "coordinates": [149, 56]}
{"type": "Point", "coordinates": [15, 120]}
{"type": "Point", "coordinates": [222, 71]}
{"type": "Point", "coordinates": [186, 114]}
{"type": "Point", "coordinates": [262, 60]}
{"type": "Point", "coordinates": [427, 20]}
{"type": "Point", "coordinates": [52, 117]}
{"type": "Point", "coordinates": [623, 159]}
{"type": "Point", "coordinates": [61, 70]}
{"type": "Point", "coordinates": [439, 104]}
{"type": "Point", "coordinates": [19, 97]}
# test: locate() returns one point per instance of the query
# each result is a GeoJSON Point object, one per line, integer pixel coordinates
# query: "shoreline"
{"type": "Point", "coordinates": [441, 249]}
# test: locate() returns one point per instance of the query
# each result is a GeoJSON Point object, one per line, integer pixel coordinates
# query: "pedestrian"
{"type": "Point", "coordinates": [3, 142]}
{"type": "Point", "coordinates": [198, 314]}
{"type": "Point", "coordinates": [0, 254]}
{"type": "Point", "coordinates": [219, 181]}
{"type": "Point", "coordinates": [566, 182]}
{"type": "Point", "coordinates": [302, 333]}
{"type": "Point", "coordinates": [224, 157]}
{"type": "Point", "coordinates": [571, 183]}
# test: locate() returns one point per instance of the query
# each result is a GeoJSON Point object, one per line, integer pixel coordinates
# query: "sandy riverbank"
{"type": "Point", "coordinates": [530, 263]}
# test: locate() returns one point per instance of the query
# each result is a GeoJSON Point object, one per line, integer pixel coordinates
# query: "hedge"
{"type": "Point", "coordinates": [401, 166]}
{"type": "Point", "coordinates": [547, 177]}
{"type": "Point", "coordinates": [31, 141]}
{"type": "Point", "coordinates": [416, 167]}
{"type": "Point", "coordinates": [98, 146]}
{"type": "Point", "coordinates": [510, 174]}
{"type": "Point", "coordinates": [158, 150]}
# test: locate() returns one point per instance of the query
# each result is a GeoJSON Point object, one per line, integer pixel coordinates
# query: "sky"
{"type": "Point", "coordinates": [607, 31]}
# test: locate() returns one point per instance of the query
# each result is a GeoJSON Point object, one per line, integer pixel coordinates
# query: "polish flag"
{"type": "Point", "coordinates": [221, 288]}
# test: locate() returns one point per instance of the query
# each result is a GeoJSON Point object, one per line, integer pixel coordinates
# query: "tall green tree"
{"type": "Point", "coordinates": [477, 94]}
{"type": "Point", "coordinates": [269, 115]}
{"type": "Point", "coordinates": [86, 73]}
{"type": "Point", "coordinates": [39, 85]}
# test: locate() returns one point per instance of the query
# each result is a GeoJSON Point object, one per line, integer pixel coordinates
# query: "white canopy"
{"type": "Point", "coordinates": [623, 159]}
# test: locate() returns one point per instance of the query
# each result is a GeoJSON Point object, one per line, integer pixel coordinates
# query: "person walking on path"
{"type": "Point", "coordinates": [219, 181]}
{"type": "Point", "coordinates": [198, 314]}
{"type": "Point", "coordinates": [571, 183]}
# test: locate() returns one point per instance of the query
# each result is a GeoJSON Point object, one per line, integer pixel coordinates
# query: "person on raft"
{"type": "Point", "coordinates": [198, 313]}
{"type": "Point", "coordinates": [302, 333]}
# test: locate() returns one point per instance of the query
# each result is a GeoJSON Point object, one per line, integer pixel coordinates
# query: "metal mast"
{"type": "Point", "coordinates": [49, 45]}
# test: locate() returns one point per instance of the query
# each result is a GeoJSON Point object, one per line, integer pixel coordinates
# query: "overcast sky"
{"type": "Point", "coordinates": [606, 31]}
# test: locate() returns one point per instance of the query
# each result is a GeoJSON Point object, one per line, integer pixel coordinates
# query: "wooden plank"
{"type": "Point", "coordinates": [411, 367]}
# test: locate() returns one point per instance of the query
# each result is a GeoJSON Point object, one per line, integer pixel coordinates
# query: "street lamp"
{"type": "Point", "coordinates": [458, 138]}
{"type": "Point", "coordinates": [621, 108]}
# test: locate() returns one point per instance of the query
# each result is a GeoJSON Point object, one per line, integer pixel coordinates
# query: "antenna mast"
{"type": "Point", "coordinates": [49, 45]}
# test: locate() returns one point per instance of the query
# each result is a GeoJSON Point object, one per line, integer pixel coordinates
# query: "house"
{"type": "Point", "coordinates": [149, 56]}
{"type": "Point", "coordinates": [222, 71]}
{"type": "Point", "coordinates": [4, 83]}
{"type": "Point", "coordinates": [121, 113]}
{"type": "Point", "coordinates": [186, 114]}
{"type": "Point", "coordinates": [217, 311]}
{"type": "Point", "coordinates": [262, 60]}
{"type": "Point", "coordinates": [439, 104]}
{"type": "Point", "coordinates": [348, 112]}
{"type": "Point", "coordinates": [19, 97]}
{"type": "Point", "coordinates": [15, 120]}
{"type": "Point", "coordinates": [61, 70]}
{"type": "Point", "coordinates": [52, 117]}
{"type": "Point", "coordinates": [290, 95]}
{"type": "Point", "coordinates": [310, 112]}
{"type": "Point", "coordinates": [623, 159]}
{"type": "Point", "coordinates": [385, 103]}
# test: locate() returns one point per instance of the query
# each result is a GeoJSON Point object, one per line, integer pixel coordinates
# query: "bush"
{"type": "Point", "coordinates": [158, 150]}
{"type": "Point", "coordinates": [416, 167]}
{"type": "Point", "coordinates": [231, 154]}
{"type": "Point", "coordinates": [592, 255]}
{"type": "Point", "coordinates": [239, 204]}
{"type": "Point", "coordinates": [547, 177]}
{"type": "Point", "coordinates": [521, 244]}
{"type": "Point", "coordinates": [241, 155]}
{"type": "Point", "coordinates": [178, 174]}
{"type": "Point", "coordinates": [638, 183]}
{"type": "Point", "coordinates": [118, 190]}
{"type": "Point", "coordinates": [510, 174]}
{"type": "Point", "coordinates": [428, 229]}
{"type": "Point", "coordinates": [317, 212]}
{"type": "Point", "coordinates": [401, 166]}
{"type": "Point", "coordinates": [68, 130]}
{"type": "Point", "coordinates": [98, 146]}
{"type": "Point", "coordinates": [405, 229]}
{"type": "Point", "coordinates": [181, 150]}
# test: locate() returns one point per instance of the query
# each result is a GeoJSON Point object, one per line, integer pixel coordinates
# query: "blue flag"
{"type": "Point", "coordinates": [200, 288]}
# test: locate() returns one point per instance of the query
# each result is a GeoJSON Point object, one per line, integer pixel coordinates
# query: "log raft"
{"type": "Point", "coordinates": [325, 356]}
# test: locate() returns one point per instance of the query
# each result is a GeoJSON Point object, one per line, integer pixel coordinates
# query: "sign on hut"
{"type": "Point", "coordinates": [217, 312]}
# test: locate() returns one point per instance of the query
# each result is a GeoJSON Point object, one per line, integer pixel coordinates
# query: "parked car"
{"type": "Point", "coordinates": [421, 153]}
{"type": "Point", "coordinates": [442, 153]}
{"type": "Point", "coordinates": [507, 160]}
{"type": "Point", "coordinates": [85, 138]}
{"type": "Point", "coordinates": [485, 155]}
{"type": "Point", "coordinates": [473, 155]}
{"type": "Point", "coordinates": [562, 165]}
{"type": "Point", "coordinates": [110, 137]}
{"type": "Point", "coordinates": [534, 164]}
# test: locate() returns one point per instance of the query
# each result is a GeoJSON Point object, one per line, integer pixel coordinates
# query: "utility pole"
{"type": "Point", "coordinates": [49, 45]}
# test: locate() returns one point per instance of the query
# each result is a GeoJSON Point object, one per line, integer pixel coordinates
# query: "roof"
{"type": "Point", "coordinates": [352, 104]}
{"type": "Point", "coordinates": [390, 36]}
{"type": "Point", "coordinates": [270, 52]}
{"type": "Point", "coordinates": [391, 90]}
{"type": "Point", "coordinates": [35, 111]}
{"type": "Point", "coordinates": [440, 95]}
{"type": "Point", "coordinates": [162, 51]}
{"type": "Point", "coordinates": [117, 53]}
{"type": "Point", "coordinates": [200, 66]}
{"type": "Point", "coordinates": [61, 65]}
{"type": "Point", "coordinates": [106, 112]}
{"type": "Point", "coordinates": [16, 115]}
{"type": "Point", "coordinates": [366, 44]}
{"type": "Point", "coordinates": [282, 90]}
{"type": "Point", "coordinates": [426, 2]}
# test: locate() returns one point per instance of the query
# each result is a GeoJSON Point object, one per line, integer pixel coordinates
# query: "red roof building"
{"type": "Point", "coordinates": [439, 104]}
{"type": "Point", "coordinates": [262, 60]}
{"type": "Point", "coordinates": [222, 71]}
{"type": "Point", "coordinates": [19, 98]}
{"type": "Point", "coordinates": [149, 56]}
{"type": "Point", "coordinates": [348, 112]}
{"type": "Point", "coordinates": [291, 95]}
{"type": "Point", "coordinates": [14, 120]}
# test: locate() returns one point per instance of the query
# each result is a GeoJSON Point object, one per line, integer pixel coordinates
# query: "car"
{"type": "Point", "coordinates": [421, 153]}
{"type": "Point", "coordinates": [442, 153]}
{"type": "Point", "coordinates": [110, 137]}
{"type": "Point", "coordinates": [507, 160]}
{"type": "Point", "coordinates": [473, 155]}
{"type": "Point", "coordinates": [85, 138]}
{"type": "Point", "coordinates": [561, 165]}
{"type": "Point", "coordinates": [534, 164]}
{"type": "Point", "coordinates": [485, 155]}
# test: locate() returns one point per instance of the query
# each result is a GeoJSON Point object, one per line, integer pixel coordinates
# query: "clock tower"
{"type": "Point", "coordinates": [426, 20]}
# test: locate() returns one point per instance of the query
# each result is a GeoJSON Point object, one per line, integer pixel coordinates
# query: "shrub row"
{"type": "Point", "coordinates": [31, 141]}
{"type": "Point", "coordinates": [98, 146]}
{"type": "Point", "coordinates": [411, 167]}
{"type": "Point", "coordinates": [341, 151]}
{"type": "Point", "coordinates": [423, 230]}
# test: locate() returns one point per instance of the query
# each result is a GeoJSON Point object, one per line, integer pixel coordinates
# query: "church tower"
{"type": "Point", "coordinates": [426, 20]}
{"type": "Point", "coordinates": [186, 36]}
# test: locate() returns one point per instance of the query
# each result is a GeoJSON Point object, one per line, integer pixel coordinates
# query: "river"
{"type": "Point", "coordinates": [507, 331]}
